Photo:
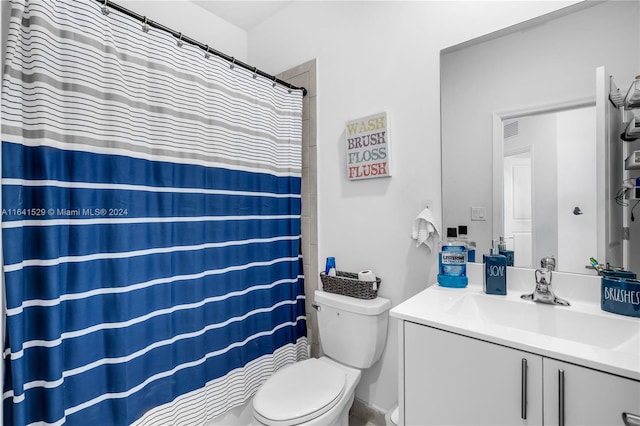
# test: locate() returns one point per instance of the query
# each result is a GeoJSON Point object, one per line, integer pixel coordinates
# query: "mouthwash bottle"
{"type": "Point", "coordinates": [471, 245]}
{"type": "Point", "coordinates": [452, 261]}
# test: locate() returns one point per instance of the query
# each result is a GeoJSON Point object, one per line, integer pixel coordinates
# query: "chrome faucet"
{"type": "Point", "coordinates": [543, 292]}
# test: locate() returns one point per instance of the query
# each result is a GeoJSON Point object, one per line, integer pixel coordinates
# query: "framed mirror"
{"type": "Point", "coordinates": [525, 74]}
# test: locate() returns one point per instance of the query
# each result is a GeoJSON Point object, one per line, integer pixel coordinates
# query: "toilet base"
{"type": "Point", "coordinates": [391, 417]}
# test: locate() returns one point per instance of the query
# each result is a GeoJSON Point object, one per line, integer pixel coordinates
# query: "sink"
{"type": "Point", "coordinates": [597, 328]}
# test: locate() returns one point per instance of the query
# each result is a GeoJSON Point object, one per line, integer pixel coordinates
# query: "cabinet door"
{"type": "Point", "coordinates": [590, 397]}
{"type": "Point", "coordinates": [455, 380]}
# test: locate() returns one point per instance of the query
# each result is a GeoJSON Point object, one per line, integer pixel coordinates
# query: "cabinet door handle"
{"type": "Point", "coordinates": [631, 419]}
{"type": "Point", "coordinates": [560, 397]}
{"type": "Point", "coordinates": [523, 390]}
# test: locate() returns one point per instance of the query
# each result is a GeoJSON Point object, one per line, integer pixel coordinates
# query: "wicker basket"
{"type": "Point", "coordinates": [348, 284]}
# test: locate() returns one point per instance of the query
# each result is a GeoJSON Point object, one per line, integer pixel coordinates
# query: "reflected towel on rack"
{"type": "Point", "coordinates": [425, 229]}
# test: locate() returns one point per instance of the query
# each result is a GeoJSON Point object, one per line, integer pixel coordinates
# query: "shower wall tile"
{"type": "Point", "coordinates": [313, 127]}
{"type": "Point", "coordinates": [304, 75]}
{"type": "Point", "coordinates": [305, 108]}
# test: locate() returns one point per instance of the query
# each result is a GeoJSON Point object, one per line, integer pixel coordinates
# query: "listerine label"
{"type": "Point", "coordinates": [453, 261]}
{"type": "Point", "coordinates": [456, 258]}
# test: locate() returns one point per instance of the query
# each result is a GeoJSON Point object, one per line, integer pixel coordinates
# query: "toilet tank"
{"type": "Point", "coordinates": [352, 331]}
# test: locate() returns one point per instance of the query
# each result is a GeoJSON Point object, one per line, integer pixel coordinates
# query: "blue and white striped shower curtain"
{"type": "Point", "coordinates": [150, 223]}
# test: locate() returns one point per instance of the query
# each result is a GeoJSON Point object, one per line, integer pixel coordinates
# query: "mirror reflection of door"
{"type": "Point", "coordinates": [517, 207]}
{"type": "Point", "coordinates": [549, 197]}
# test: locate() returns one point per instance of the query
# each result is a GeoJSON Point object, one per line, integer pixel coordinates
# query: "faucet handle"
{"type": "Point", "coordinates": [543, 276]}
{"type": "Point", "coordinates": [548, 262]}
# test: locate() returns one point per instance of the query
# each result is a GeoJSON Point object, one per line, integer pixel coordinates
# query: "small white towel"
{"type": "Point", "coordinates": [425, 229]}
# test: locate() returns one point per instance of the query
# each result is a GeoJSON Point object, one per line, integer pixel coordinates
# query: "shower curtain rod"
{"type": "Point", "coordinates": [205, 47]}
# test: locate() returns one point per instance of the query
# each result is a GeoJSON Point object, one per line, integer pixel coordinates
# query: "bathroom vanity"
{"type": "Point", "coordinates": [467, 358]}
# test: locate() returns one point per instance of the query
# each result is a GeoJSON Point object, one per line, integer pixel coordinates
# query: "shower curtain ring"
{"type": "Point", "coordinates": [255, 72]}
{"type": "Point", "coordinates": [180, 43]}
{"type": "Point", "coordinates": [207, 55]}
{"type": "Point", "coordinates": [233, 63]}
{"type": "Point", "coordinates": [105, 9]}
{"type": "Point", "coordinates": [274, 81]}
{"type": "Point", "coordinates": [145, 26]}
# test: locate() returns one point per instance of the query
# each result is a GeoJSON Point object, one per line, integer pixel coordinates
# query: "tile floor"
{"type": "Point", "coordinates": [357, 421]}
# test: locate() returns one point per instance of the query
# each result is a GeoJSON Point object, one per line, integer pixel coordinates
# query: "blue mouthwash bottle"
{"type": "Point", "coordinates": [471, 245]}
{"type": "Point", "coordinates": [453, 261]}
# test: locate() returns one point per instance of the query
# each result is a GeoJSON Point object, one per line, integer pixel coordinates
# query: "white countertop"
{"type": "Point", "coordinates": [439, 307]}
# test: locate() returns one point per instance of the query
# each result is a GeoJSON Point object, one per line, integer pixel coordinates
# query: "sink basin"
{"type": "Point", "coordinates": [597, 329]}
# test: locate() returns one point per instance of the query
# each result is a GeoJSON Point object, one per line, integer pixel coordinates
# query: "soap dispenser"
{"type": "Point", "coordinates": [502, 249]}
{"type": "Point", "coordinates": [495, 272]}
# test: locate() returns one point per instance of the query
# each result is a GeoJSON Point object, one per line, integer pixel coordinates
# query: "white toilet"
{"type": "Point", "coordinates": [320, 391]}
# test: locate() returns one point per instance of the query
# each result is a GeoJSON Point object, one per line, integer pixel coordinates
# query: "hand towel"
{"type": "Point", "coordinates": [425, 229]}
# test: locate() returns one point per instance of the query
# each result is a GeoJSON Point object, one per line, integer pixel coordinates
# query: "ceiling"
{"type": "Point", "coordinates": [245, 14]}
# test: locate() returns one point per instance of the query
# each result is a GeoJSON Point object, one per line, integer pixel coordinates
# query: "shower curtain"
{"type": "Point", "coordinates": [150, 223]}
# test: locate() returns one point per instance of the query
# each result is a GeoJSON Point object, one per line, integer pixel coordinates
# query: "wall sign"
{"type": "Point", "coordinates": [368, 151]}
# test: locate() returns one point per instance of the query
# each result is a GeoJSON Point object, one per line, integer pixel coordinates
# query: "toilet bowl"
{"type": "Point", "coordinates": [317, 391]}
{"type": "Point", "coordinates": [320, 391]}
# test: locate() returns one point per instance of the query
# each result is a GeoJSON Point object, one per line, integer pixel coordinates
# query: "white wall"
{"type": "Point", "coordinates": [373, 57]}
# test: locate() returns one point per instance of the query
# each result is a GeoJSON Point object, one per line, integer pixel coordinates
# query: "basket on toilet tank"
{"type": "Point", "coordinates": [348, 284]}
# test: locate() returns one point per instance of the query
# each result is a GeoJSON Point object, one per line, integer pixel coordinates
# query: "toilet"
{"type": "Point", "coordinates": [392, 417]}
{"type": "Point", "coordinates": [320, 391]}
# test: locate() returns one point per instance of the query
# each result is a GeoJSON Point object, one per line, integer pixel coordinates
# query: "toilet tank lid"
{"type": "Point", "coordinates": [351, 304]}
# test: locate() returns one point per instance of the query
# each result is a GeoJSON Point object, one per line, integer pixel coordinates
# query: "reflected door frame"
{"type": "Point", "coordinates": [518, 209]}
{"type": "Point", "coordinates": [498, 161]}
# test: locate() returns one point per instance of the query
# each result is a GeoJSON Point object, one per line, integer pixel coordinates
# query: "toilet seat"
{"type": "Point", "coordinates": [299, 393]}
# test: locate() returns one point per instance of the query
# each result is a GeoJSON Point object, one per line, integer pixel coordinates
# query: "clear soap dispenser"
{"type": "Point", "coordinates": [502, 249]}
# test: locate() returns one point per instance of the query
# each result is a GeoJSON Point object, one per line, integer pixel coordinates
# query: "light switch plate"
{"type": "Point", "coordinates": [478, 213]}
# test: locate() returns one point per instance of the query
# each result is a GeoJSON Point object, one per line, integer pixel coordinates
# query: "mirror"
{"type": "Point", "coordinates": [533, 71]}
{"type": "Point", "coordinates": [547, 159]}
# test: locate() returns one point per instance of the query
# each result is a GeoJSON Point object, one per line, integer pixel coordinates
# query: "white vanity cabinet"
{"type": "Point", "coordinates": [578, 396]}
{"type": "Point", "coordinates": [451, 379]}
